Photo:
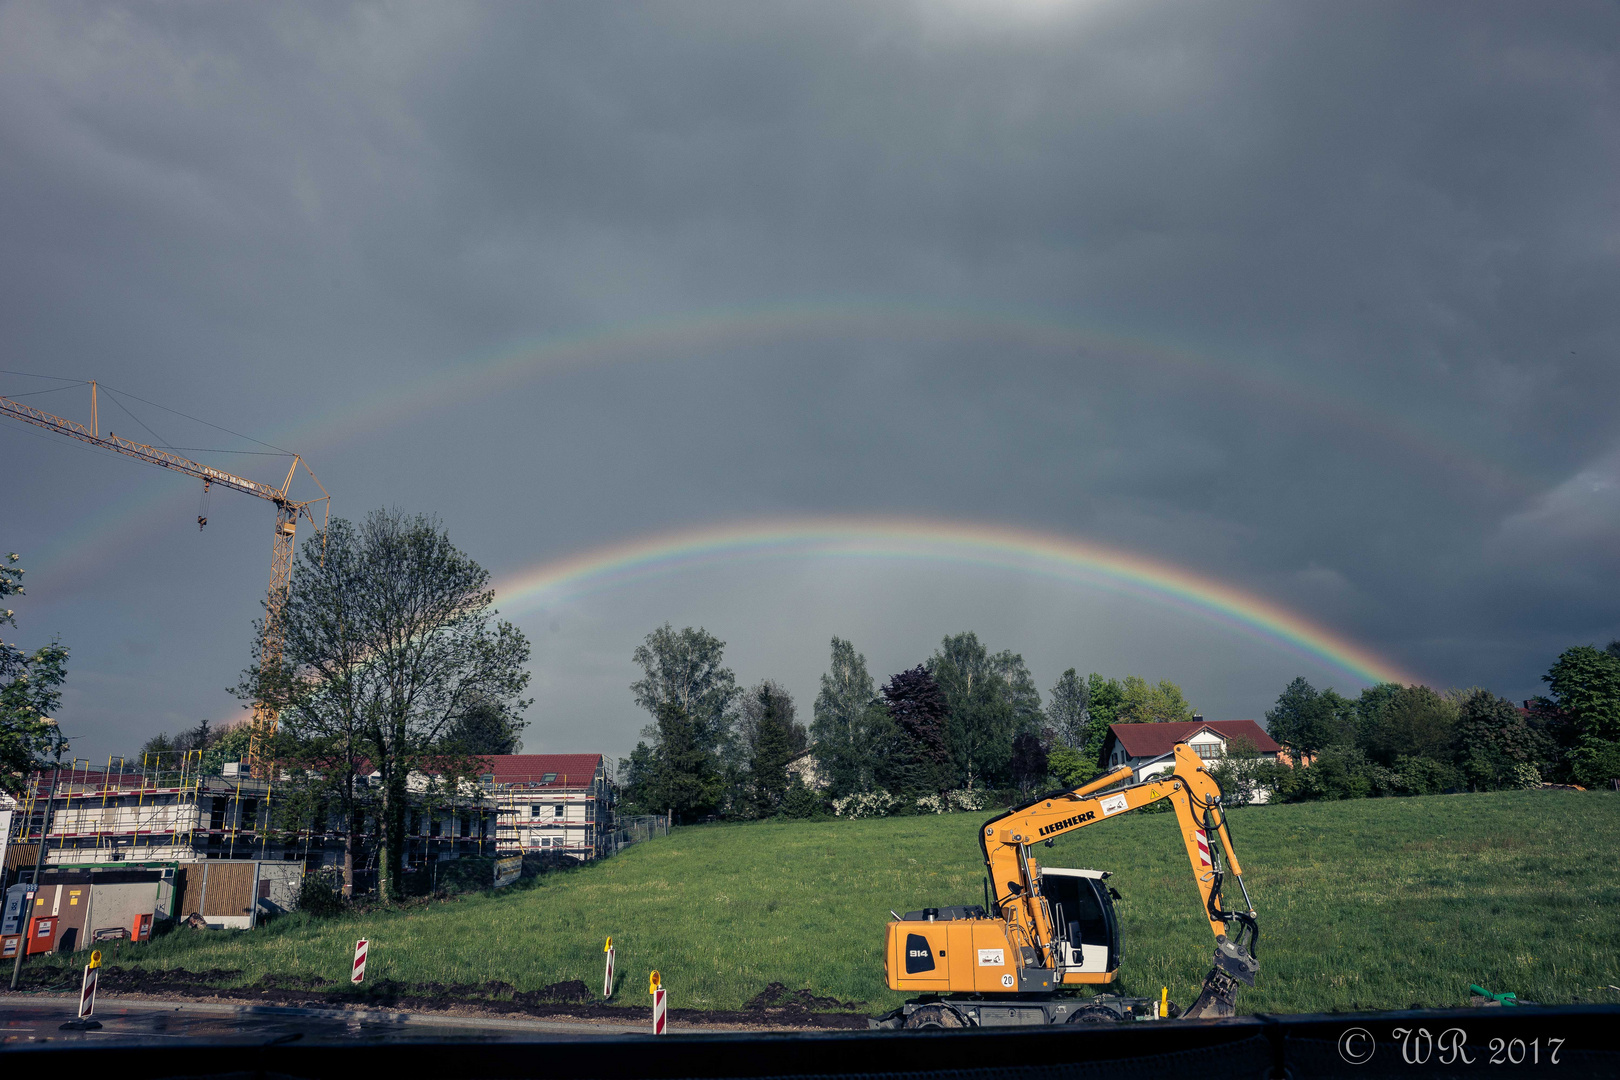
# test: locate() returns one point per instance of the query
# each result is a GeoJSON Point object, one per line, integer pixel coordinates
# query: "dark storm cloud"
{"type": "Point", "coordinates": [1385, 235]}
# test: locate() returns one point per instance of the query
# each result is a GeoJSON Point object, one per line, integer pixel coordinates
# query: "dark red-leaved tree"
{"type": "Point", "coordinates": [917, 706]}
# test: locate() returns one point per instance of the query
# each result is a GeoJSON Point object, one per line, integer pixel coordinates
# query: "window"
{"type": "Point", "coordinates": [557, 811]}
{"type": "Point", "coordinates": [548, 778]}
{"type": "Point", "coordinates": [534, 812]}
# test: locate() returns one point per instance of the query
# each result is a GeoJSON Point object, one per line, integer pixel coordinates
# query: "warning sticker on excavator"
{"type": "Point", "coordinates": [992, 958]}
{"type": "Point", "coordinates": [1113, 804]}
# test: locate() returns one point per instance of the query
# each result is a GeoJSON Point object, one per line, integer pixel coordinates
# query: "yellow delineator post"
{"type": "Point", "coordinates": [655, 987]}
{"type": "Point", "coordinates": [1164, 1003]}
{"type": "Point", "coordinates": [607, 975]}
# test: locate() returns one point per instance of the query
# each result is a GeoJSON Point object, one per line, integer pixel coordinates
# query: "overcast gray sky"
{"type": "Point", "coordinates": [1315, 301]}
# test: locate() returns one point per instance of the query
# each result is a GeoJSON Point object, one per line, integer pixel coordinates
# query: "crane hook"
{"type": "Point", "coordinates": [202, 506]}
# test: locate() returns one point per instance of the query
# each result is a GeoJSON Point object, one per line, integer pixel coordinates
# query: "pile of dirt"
{"type": "Point", "coordinates": [778, 1000]}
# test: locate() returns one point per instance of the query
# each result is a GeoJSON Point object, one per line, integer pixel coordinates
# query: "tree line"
{"type": "Point", "coordinates": [965, 720]}
{"type": "Point", "coordinates": [1394, 740]}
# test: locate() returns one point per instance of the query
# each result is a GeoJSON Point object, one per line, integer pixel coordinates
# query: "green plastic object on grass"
{"type": "Point", "coordinates": [1501, 999]}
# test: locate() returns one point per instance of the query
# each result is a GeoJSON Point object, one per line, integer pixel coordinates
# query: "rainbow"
{"type": "Point", "coordinates": [80, 549]}
{"type": "Point", "coordinates": [990, 546]}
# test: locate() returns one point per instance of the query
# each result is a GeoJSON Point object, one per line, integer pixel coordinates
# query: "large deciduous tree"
{"type": "Point", "coordinates": [990, 699]}
{"type": "Point", "coordinates": [688, 690]}
{"type": "Point", "coordinates": [30, 691]}
{"type": "Point", "coordinates": [1493, 741]}
{"type": "Point", "coordinates": [684, 666]}
{"type": "Point", "coordinates": [1067, 709]}
{"type": "Point", "coordinates": [1144, 703]}
{"type": "Point", "coordinates": [1414, 722]}
{"type": "Point", "coordinates": [1305, 721]}
{"type": "Point", "coordinates": [390, 648]}
{"type": "Point", "coordinates": [849, 724]}
{"type": "Point", "coordinates": [1585, 686]}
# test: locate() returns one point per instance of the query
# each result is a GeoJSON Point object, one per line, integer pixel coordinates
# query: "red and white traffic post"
{"type": "Point", "coordinates": [359, 970]}
{"type": "Point", "coordinates": [607, 974]}
{"type": "Point", "coordinates": [655, 986]}
{"type": "Point", "coordinates": [87, 996]}
{"type": "Point", "coordinates": [87, 990]}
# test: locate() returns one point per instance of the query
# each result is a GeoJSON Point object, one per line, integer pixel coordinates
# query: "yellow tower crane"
{"type": "Point", "coordinates": [288, 511]}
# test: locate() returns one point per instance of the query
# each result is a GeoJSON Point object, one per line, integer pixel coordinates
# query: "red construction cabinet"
{"type": "Point", "coordinates": [42, 933]}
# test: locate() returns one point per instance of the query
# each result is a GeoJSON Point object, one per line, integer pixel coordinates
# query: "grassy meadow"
{"type": "Point", "coordinates": [1377, 903]}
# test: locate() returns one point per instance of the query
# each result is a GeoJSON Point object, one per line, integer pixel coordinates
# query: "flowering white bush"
{"type": "Point", "coordinates": [951, 800]}
{"type": "Point", "coordinates": [865, 804]}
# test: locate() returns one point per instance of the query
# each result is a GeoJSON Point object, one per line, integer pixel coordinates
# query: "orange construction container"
{"type": "Point", "coordinates": [142, 930]}
{"type": "Point", "coordinates": [42, 933]}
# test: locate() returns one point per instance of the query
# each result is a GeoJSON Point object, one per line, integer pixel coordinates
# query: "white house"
{"type": "Point", "coordinates": [554, 803]}
{"type": "Point", "coordinates": [1144, 747]}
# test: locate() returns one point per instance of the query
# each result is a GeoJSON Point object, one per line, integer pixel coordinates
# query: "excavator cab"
{"type": "Point", "coordinates": [1087, 931]}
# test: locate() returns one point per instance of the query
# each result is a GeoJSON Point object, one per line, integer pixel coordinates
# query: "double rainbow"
{"type": "Point", "coordinates": [946, 542]}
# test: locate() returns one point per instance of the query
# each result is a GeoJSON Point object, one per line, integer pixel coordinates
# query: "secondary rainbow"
{"type": "Point", "coordinates": [950, 542]}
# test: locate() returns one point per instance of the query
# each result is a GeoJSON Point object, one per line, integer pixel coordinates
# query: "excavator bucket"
{"type": "Point", "coordinates": [1218, 997]}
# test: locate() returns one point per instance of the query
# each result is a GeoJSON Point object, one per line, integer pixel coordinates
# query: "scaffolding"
{"type": "Point", "coordinates": [116, 811]}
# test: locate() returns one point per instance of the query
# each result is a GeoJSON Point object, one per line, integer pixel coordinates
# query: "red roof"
{"type": "Point", "coordinates": [565, 770]}
{"type": "Point", "coordinates": [1151, 740]}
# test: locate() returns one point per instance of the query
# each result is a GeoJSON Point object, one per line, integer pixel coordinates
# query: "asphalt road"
{"type": "Point", "coordinates": [32, 1020]}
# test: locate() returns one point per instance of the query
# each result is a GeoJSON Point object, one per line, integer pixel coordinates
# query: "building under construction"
{"type": "Point", "coordinates": [173, 808]}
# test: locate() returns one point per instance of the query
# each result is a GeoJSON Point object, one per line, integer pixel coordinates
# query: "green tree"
{"type": "Point", "coordinates": [685, 666]}
{"type": "Point", "coordinates": [1492, 740]}
{"type": "Point", "coordinates": [1370, 707]}
{"type": "Point", "coordinates": [1104, 698]}
{"type": "Point", "coordinates": [774, 740]}
{"type": "Point", "coordinates": [685, 776]}
{"type": "Point", "coordinates": [1585, 685]}
{"type": "Point", "coordinates": [30, 693]}
{"type": "Point", "coordinates": [487, 728]}
{"type": "Point", "coordinates": [389, 642]}
{"type": "Point", "coordinates": [848, 725]}
{"type": "Point", "coordinates": [990, 699]}
{"type": "Point", "coordinates": [1306, 721]}
{"type": "Point", "coordinates": [1415, 722]}
{"type": "Point", "coordinates": [1067, 710]}
{"type": "Point", "coordinates": [920, 762]}
{"type": "Point", "coordinates": [1144, 704]}
{"type": "Point", "coordinates": [1072, 767]}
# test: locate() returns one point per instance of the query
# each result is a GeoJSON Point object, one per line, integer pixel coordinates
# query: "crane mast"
{"type": "Point", "coordinates": [288, 511]}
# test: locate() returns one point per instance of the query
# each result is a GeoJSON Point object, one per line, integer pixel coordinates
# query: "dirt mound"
{"type": "Point", "coordinates": [777, 998]}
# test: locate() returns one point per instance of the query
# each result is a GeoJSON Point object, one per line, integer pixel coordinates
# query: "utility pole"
{"type": "Point", "coordinates": [39, 861]}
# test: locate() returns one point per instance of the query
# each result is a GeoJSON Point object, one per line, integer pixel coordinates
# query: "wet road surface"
{"type": "Point", "coordinates": [30, 1021]}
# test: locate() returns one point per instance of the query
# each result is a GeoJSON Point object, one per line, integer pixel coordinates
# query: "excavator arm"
{"type": "Point", "coordinates": [1196, 799]}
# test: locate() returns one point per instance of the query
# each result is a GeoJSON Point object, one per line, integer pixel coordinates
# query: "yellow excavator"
{"type": "Point", "coordinates": [1046, 929]}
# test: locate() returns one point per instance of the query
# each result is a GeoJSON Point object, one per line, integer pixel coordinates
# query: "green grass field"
{"type": "Point", "coordinates": [1382, 903]}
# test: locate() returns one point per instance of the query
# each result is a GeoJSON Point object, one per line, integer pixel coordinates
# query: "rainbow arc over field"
{"type": "Point", "coordinates": [917, 540]}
